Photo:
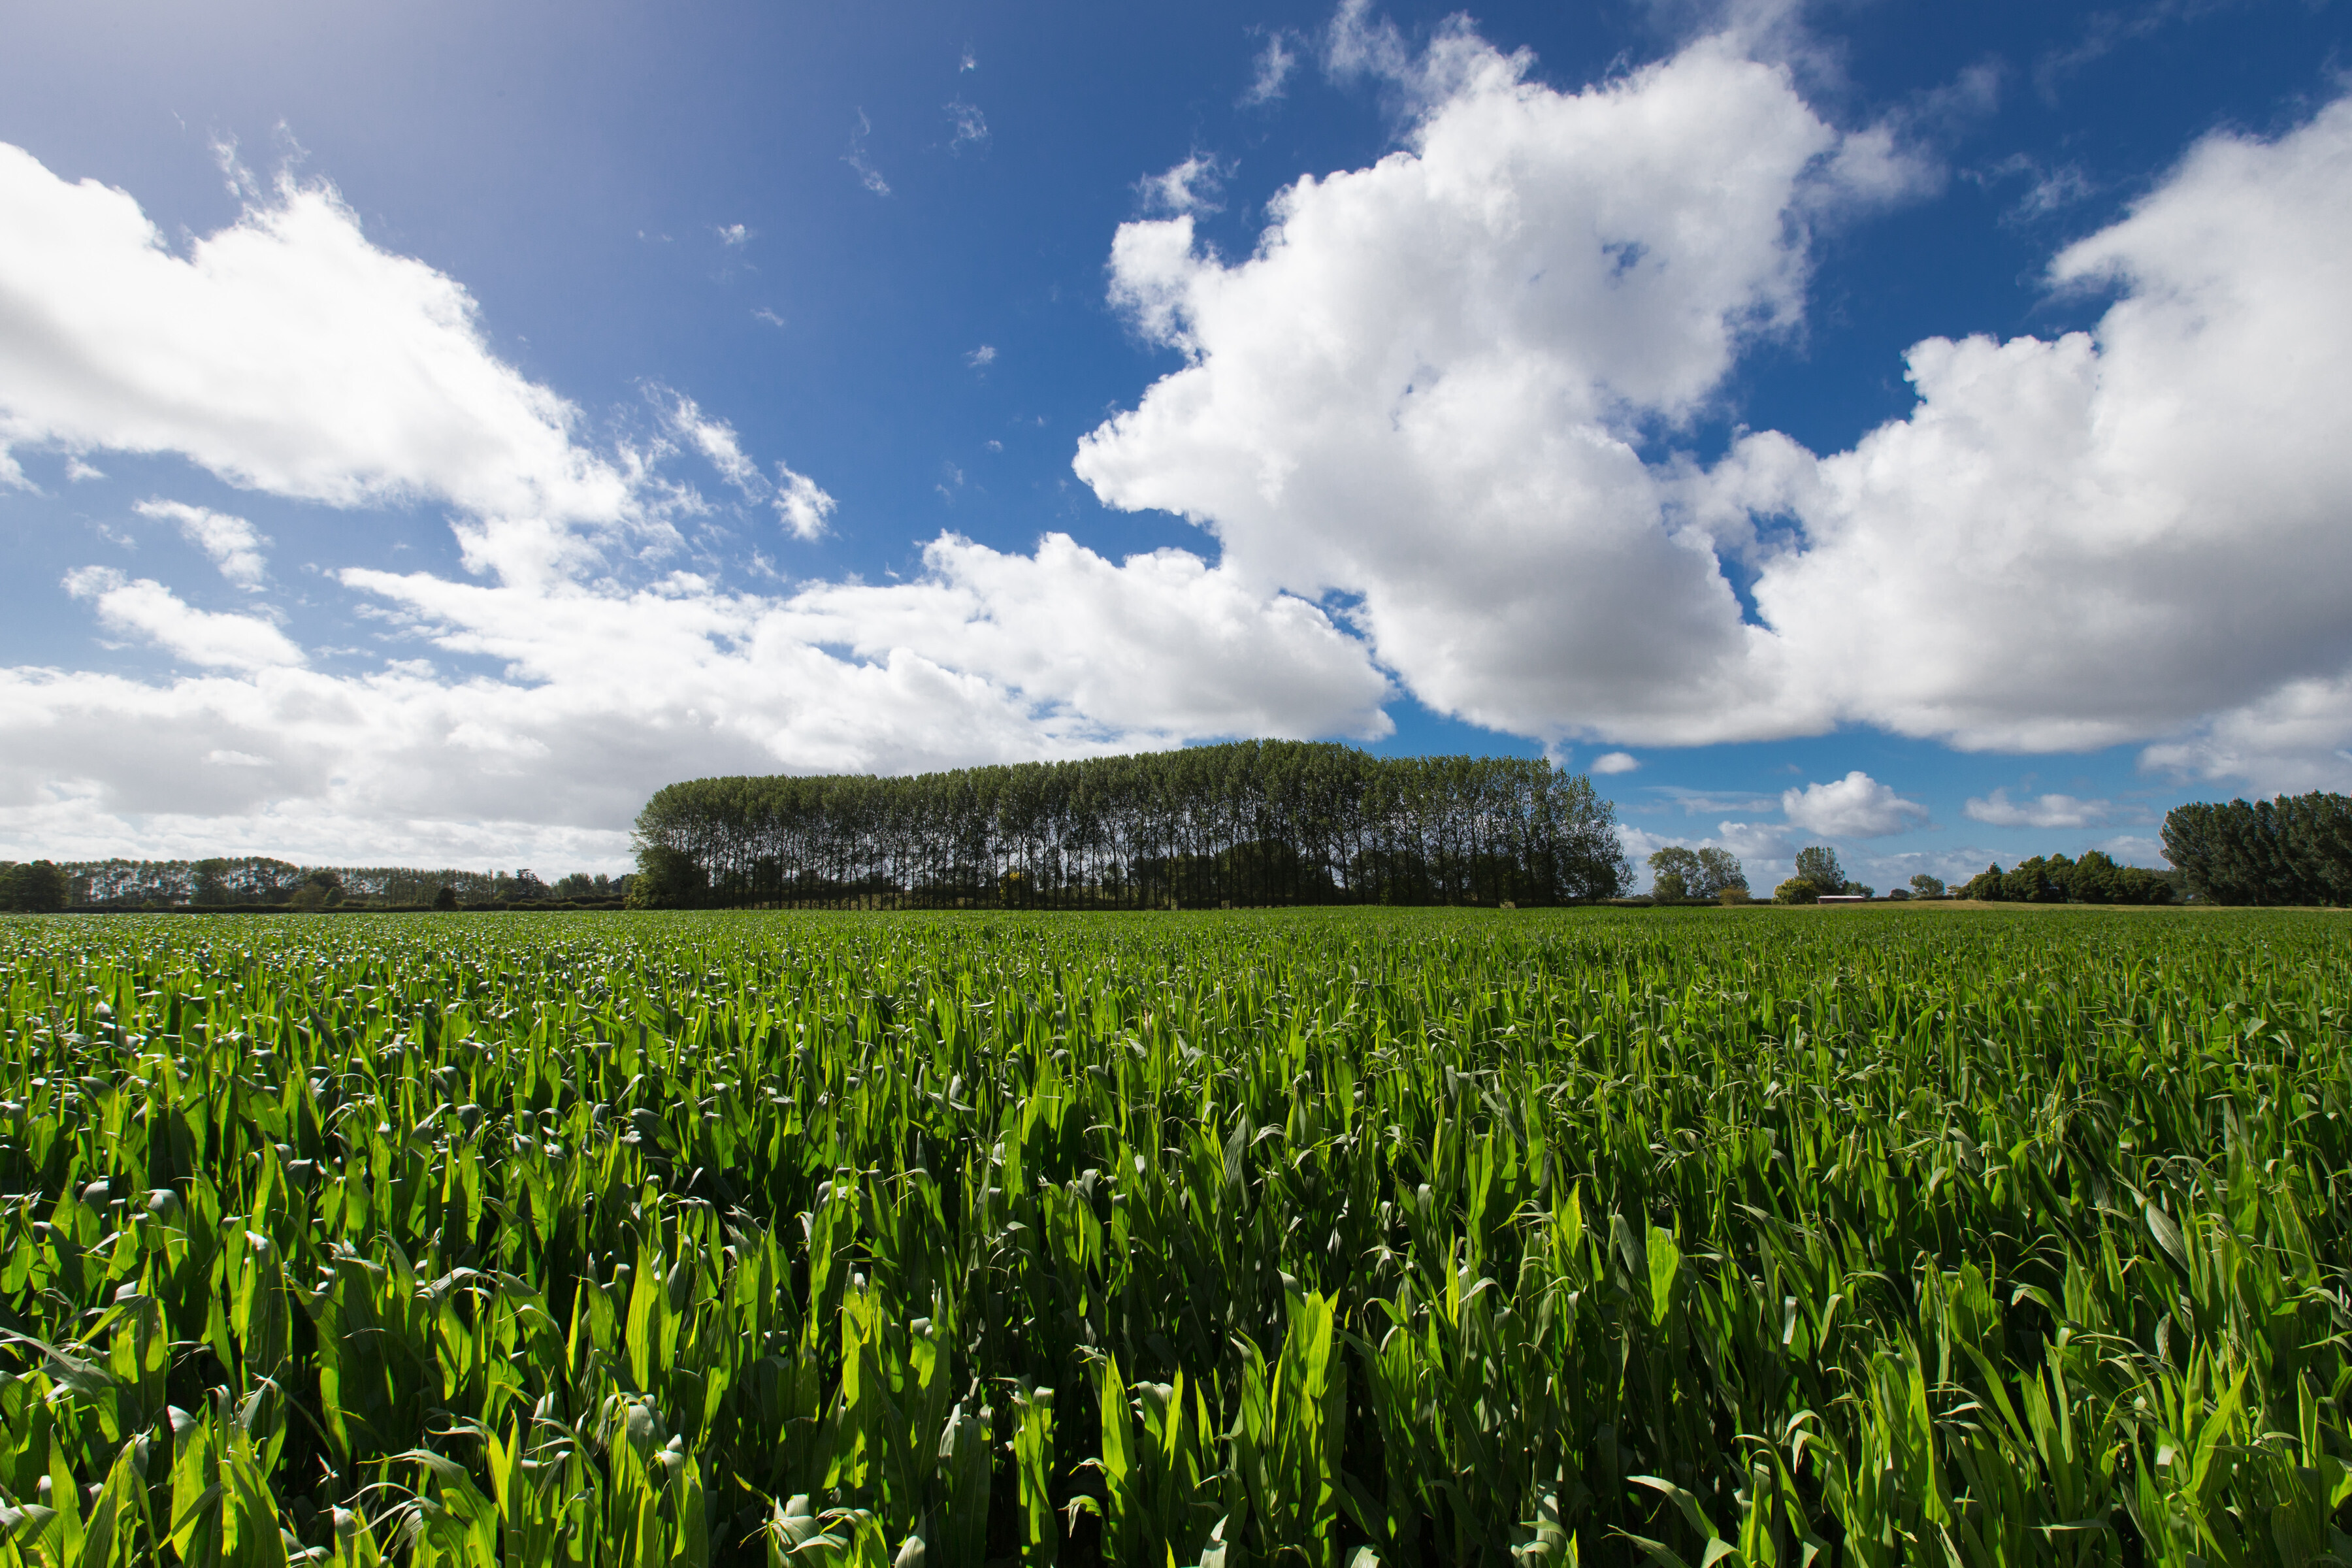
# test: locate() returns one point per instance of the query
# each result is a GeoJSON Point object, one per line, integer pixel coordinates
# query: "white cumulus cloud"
{"type": "Point", "coordinates": [2118, 533]}
{"type": "Point", "coordinates": [284, 353]}
{"type": "Point", "coordinates": [1855, 807]}
{"type": "Point", "coordinates": [1424, 387]}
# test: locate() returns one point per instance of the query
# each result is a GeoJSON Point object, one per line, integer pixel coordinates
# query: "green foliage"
{"type": "Point", "coordinates": [1299, 1238]}
{"type": "Point", "coordinates": [2295, 849]}
{"type": "Point", "coordinates": [1926, 887]}
{"type": "Point", "coordinates": [36, 886]}
{"type": "Point", "coordinates": [667, 878]}
{"type": "Point", "coordinates": [1818, 864]}
{"type": "Point", "coordinates": [1250, 823]}
{"type": "Point", "coordinates": [259, 882]}
{"type": "Point", "coordinates": [1708, 873]}
{"type": "Point", "coordinates": [1797, 891]}
{"type": "Point", "coordinates": [2054, 879]}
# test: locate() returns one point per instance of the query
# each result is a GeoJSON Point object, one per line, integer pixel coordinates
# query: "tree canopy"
{"type": "Point", "coordinates": [2095, 878]}
{"type": "Point", "coordinates": [2295, 849]}
{"type": "Point", "coordinates": [35, 887]}
{"type": "Point", "coordinates": [1818, 864]}
{"type": "Point", "coordinates": [1707, 873]}
{"type": "Point", "coordinates": [1249, 823]}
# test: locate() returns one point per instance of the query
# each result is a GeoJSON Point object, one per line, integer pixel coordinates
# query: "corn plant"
{"type": "Point", "coordinates": [1315, 1237]}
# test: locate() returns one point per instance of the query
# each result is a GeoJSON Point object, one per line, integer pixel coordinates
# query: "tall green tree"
{"type": "Point", "coordinates": [1707, 873]}
{"type": "Point", "coordinates": [1676, 873]}
{"type": "Point", "coordinates": [2293, 850]}
{"type": "Point", "coordinates": [36, 886]}
{"type": "Point", "coordinates": [1254, 822]}
{"type": "Point", "coordinates": [1818, 864]}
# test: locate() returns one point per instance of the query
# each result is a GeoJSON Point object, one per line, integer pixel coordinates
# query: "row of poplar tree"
{"type": "Point", "coordinates": [2295, 849]}
{"type": "Point", "coordinates": [1250, 823]}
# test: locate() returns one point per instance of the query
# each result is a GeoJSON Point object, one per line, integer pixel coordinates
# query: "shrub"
{"type": "Point", "coordinates": [1796, 891]}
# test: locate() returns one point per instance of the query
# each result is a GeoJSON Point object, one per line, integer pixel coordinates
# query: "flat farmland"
{"type": "Point", "coordinates": [1863, 1237]}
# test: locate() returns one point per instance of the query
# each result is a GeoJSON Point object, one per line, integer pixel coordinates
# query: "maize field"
{"type": "Point", "coordinates": [1333, 1238]}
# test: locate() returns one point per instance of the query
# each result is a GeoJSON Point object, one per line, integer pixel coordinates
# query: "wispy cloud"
{"type": "Point", "coordinates": [971, 125]}
{"type": "Point", "coordinates": [145, 608]}
{"type": "Point", "coordinates": [803, 506]}
{"type": "Point", "coordinates": [230, 541]}
{"type": "Point", "coordinates": [983, 356]}
{"type": "Point", "coordinates": [1707, 801]}
{"type": "Point", "coordinates": [1997, 810]}
{"type": "Point", "coordinates": [867, 174]}
{"type": "Point", "coordinates": [1270, 71]}
{"type": "Point", "coordinates": [1191, 187]}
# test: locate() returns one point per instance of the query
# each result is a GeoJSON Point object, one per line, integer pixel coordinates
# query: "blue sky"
{"type": "Point", "coordinates": [1901, 426]}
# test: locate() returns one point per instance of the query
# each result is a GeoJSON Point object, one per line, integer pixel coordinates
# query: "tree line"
{"type": "Point", "coordinates": [2295, 849]}
{"type": "Point", "coordinates": [2095, 878]}
{"type": "Point", "coordinates": [259, 880]}
{"type": "Point", "coordinates": [1244, 824]}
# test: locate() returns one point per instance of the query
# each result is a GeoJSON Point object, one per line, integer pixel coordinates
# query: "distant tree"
{"type": "Point", "coordinates": [36, 887]}
{"type": "Point", "coordinates": [445, 896]}
{"type": "Point", "coordinates": [1797, 891]}
{"type": "Point", "coordinates": [1858, 890]}
{"type": "Point", "coordinates": [1898, 894]}
{"type": "Point", "coordinates": [1985, 884]}
{"type": "Point", "coordinates": [1680, 873]}
{"type": "Point", "coordinates": [1676, 873]}
{"type": "Point", "coordinates": [523, 887]}
{"type": "Point", "coordinates": [1723, 874]}
{"type": "Point", "coordinates": [2138, 885]}
{"type": "Point", "coordinates": [2039, 880]}
{"type": "Point", "coordinates": [1926, 887]}
{"type": "Point", "coordinates": [1819, 865]}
